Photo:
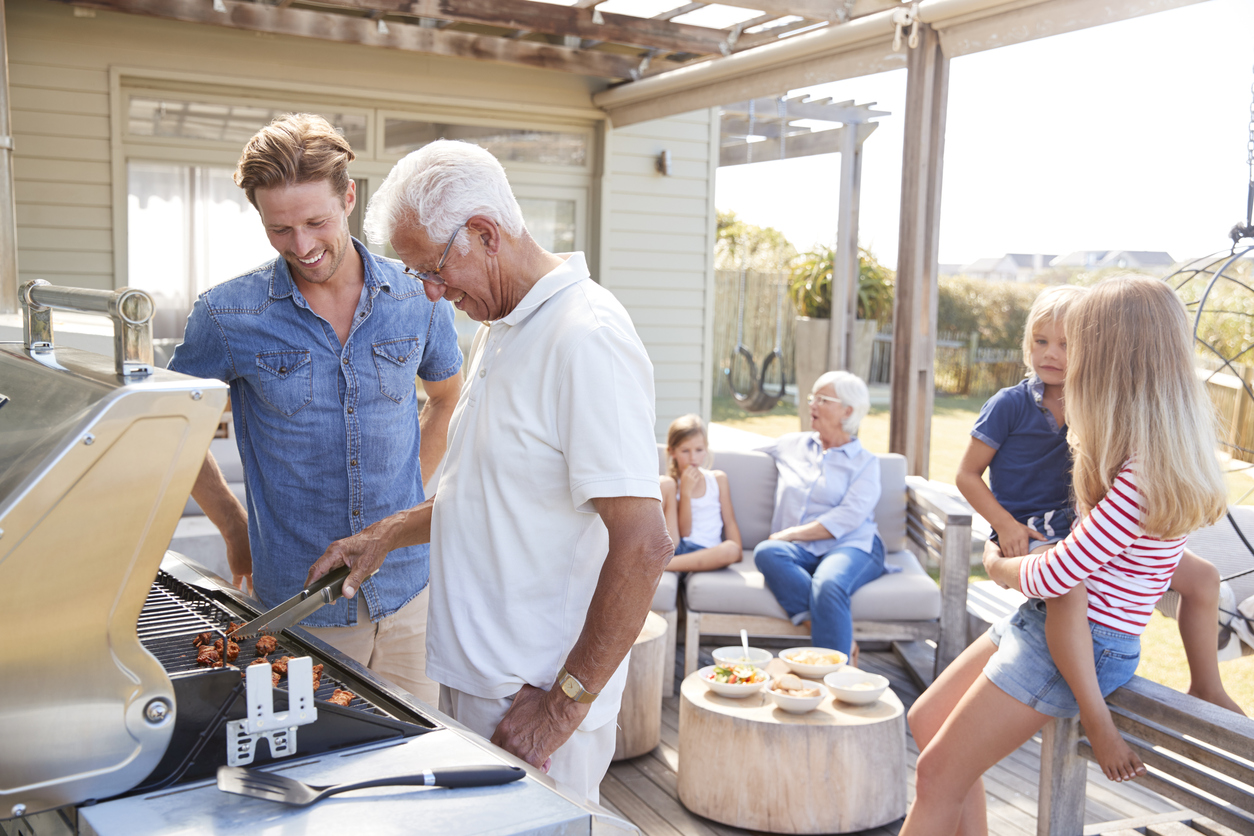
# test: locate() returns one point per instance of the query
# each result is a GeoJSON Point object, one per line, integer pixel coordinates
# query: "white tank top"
{"type": "Point", "coordinates": [707, 514]}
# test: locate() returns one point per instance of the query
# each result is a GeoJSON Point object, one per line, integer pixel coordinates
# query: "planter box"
{"type": "Point", "coordinates": [811, 354]}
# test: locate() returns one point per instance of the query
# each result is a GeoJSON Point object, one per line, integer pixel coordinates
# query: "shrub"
{"type": "Point", "coordinates": [810, 285]}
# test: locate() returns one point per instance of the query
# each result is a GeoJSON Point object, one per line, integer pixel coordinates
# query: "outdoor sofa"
{"type": "Point", "coordinates": [906, 608]}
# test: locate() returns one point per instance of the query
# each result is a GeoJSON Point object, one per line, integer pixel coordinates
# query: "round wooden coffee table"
{"type": "Point", "coordinates": [747, 763]}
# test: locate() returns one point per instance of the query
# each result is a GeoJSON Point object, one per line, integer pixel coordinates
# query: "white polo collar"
{"type": "Point", "coordinates": [573, 270]}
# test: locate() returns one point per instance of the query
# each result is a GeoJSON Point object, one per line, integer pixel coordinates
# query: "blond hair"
{"type": "Point", "coordinates": [1050, 305]}
{"type": "Point", "coordinates": [295, 148]}
{"type": "Point", "coordinates": [1132, 394]}
{"type": "Point", "coordinates": [681, 429]}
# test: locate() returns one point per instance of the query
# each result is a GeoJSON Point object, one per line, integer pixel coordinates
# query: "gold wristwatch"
{"type": "Point", "coordinates": [573, 688]}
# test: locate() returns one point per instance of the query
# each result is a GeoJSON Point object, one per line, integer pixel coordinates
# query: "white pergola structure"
{"type": "Point", "coordinates": [762, 129]}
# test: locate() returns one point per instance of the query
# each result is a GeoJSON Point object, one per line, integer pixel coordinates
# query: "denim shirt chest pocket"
{"type": "Point", "coordinates": [286, 379]}
{"type": "Point", "coordinates": [396, 361]}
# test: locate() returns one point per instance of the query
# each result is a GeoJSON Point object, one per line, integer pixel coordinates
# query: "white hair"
{"type": "Point", "coordinates": [441, 186]}
{"type": "Point", "coordinates": [852, 392]}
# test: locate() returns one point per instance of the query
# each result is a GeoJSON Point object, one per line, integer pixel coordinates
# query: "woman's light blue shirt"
{"type": "Point", "coordinates": [838, 487]}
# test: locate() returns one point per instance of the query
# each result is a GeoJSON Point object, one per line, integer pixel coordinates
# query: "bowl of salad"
{"type": "Point", "coordinates": [854, 686]}
{"type": "Point", "coordinates": [737, 680]}
{"type": "Point", "coordinates": [813, 661]}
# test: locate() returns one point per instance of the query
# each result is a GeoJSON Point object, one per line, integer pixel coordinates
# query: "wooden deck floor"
{"type": "Point", "coordinates": [644, 789]}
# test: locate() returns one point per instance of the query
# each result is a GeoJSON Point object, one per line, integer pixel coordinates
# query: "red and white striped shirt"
{"type": "Point", "coordinates": [1124, 570]}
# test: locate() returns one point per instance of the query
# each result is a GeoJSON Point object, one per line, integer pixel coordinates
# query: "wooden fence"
{"type": "Point", "coordinates": [1234, 406]}
{"type": "Point", "coordinates": [963, 367]}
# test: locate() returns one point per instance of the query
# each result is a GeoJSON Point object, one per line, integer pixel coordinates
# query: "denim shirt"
{"type": "Point", "coordinates": [328, 434]}
{"type": "Point", "coordinates": [838, 487]}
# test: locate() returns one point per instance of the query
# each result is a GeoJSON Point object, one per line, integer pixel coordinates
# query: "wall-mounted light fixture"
{"type": "Point", "coordinates": [663, 163]}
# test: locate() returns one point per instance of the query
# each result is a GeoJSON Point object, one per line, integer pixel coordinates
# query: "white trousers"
{"type": "Point", "coordinates": [578, 765]}
{"type": "Point", "coordinates": [394, 647]}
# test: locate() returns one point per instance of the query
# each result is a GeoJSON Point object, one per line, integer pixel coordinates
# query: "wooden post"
{"type": "Point", "coordinates": [845, 261]}
{"type": "Point", "coordinates": [1060, 803]}
{"type": "Point", "coordinates": [8, 210]}
{"type": "Point", "coordinates": [914, 306]}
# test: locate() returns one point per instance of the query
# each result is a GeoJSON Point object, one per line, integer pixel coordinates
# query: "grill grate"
{"type": "Point", "coordinates": [175, 613]}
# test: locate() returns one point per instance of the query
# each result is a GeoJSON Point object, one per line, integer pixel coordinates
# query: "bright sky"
{"type": "Point", "coordinates": [1127, 136]}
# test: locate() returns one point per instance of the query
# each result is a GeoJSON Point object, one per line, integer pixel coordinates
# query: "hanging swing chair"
{"type": "Point", "coordinates": [757, 399]}
{"type": "Point", "coordinates": [1218, 292]}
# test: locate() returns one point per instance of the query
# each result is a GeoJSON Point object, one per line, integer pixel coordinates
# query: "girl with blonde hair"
{"type": "Point", "coordinates": [1142, 440]}
{"type": "Point", "coordinates": [697, 502]}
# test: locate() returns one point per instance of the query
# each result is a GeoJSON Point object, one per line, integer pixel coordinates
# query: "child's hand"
{"type": "Point", "coordinates": [688, 481]}
{"type": "Point", "coordinates": [1016, 539]}
{"type": "Point", "coordinates": [992, 556]}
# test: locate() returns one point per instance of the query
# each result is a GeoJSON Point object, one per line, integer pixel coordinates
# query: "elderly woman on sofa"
{"type": "Point", "coordinates": [824, 544]}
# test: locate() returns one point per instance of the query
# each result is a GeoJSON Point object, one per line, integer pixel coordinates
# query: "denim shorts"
{"type": "Point", "coordinates": [1055, 525]}
{"type": "Point", "coordinates": [686, 546]}
{"type": "Point", "coordinates": [1024, 669]}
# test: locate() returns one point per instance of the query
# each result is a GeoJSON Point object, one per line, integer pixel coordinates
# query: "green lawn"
{"type": "Point", "coordinates": [1162, 656]}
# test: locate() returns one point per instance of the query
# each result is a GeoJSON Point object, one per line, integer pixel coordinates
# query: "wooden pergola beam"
{"type": "Point", "coordinates": [837, 10]}
{"type": "Point", "coordinates": [794, 145]}
{"type": "Point", "coordinates": [531, 16]}
{"type": "Point", "coordinates": [341, 28]}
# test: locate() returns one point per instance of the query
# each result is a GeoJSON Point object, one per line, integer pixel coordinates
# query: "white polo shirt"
{"type": "Point", "coordinates": [557, 409]}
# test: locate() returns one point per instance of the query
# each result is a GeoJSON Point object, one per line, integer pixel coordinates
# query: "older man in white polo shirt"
{"type": "Point", "coordinates": [546, 528]}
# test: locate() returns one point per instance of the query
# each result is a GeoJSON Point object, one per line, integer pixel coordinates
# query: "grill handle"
{"type": "Point", "coordinates": [130, 309]}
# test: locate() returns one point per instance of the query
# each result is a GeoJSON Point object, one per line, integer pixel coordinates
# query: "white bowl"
{"type": "Point", "coordinates": [798, 705]}
{"type": "Point", "coordinates": [855, 686]}
{"type": "Point", "coordinates": [724, 689]}
{"type": "Point", "coordinates": [804, 670]}
{"type": "Point", "coordinates": [735, 654]}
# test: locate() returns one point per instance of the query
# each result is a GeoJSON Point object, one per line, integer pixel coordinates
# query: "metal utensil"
{"type": "Point", "coordinates": [326, 590]}
{"type": "Point", "coordinates": [270, 787]}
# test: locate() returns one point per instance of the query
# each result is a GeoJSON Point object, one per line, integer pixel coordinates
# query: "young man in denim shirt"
{"type": "Point", "coordinates": [321, 347]}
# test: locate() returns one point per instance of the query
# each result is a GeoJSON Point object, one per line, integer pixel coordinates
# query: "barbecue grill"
{"type": "Point", "coordinates": [108, 724]}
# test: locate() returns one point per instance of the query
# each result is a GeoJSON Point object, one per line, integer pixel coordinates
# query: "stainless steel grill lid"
{"type": "Point", "coordinates": [95, 468]}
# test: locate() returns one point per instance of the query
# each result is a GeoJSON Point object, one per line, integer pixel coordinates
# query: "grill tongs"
{"type": "Point", "coordinates": [326, 590]}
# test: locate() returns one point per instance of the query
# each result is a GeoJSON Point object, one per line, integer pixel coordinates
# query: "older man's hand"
{"type": "Point", "coordinates": [365, 552]}
{"type": "Point", "coordinates": [537, 723]}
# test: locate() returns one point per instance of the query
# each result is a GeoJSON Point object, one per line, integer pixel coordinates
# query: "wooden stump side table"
{"type": "Point", "coordinates": [747, 763]}
{"type": "Point", "coordinates": [640, 716]}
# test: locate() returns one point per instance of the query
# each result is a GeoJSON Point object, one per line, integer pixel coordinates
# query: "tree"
{"type": "Point", "coordinates": [743, 246]}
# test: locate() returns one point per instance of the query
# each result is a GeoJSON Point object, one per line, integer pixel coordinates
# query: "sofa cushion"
{"type": "Point", "coordinates": [667, 593]}
{"type": "Point", "coordinates": [908, 595]}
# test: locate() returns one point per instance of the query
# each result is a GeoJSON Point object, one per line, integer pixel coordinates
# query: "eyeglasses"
{"type": "Point", "coordinates": [811, 398]}
{"type": "Point", "coordinates": [433, 277]}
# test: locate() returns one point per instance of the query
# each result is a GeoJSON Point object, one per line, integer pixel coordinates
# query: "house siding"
{"type": "Point", "coordinates": [652, 237]}
{"type": "Point", "coordinates": [659, 250]}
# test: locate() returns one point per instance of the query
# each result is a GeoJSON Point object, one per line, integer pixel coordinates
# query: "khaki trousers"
{"type": "Point", "coordinates": [394, 647]}
{"type": "Point", "coordinates": [578, 765]}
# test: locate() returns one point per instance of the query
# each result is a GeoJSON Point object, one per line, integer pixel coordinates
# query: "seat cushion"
{"type": "Point", "coordinates": [667, 593]}
{"type": "Point", "coordinates": [908, 595]}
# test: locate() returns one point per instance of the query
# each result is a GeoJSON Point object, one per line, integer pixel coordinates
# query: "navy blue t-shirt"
{"type": "Point", "coordinates": [1031, 472]}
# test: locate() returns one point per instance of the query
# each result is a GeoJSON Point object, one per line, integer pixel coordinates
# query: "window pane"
{"type": "Point", "coordinates": [550, 222]}
{"type": "Point", "coordinates": [400, 136]}
{"type": "Point", "coordinates": [231, 123]}
{"type": "Point", "coordinates": [188, 228]}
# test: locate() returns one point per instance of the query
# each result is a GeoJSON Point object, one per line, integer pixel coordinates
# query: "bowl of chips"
{"type": "Point", "coordinates": [813, 661]}
{"type": "Point", "coordinates": [796, 695]}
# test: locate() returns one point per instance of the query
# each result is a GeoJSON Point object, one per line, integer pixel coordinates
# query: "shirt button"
{"type": "Point", "coordinates": [350, 410]}
{"type": "Point", "coordinates": [356, 512]}
{"type": "Point", "coordinates": [353, 463]}
{"type": "Point", "coordinates": [483, 372]}
{"type": "Point", "coordinates": [345, 361]}
{"type": "Point", "coordinates": [282, 369]}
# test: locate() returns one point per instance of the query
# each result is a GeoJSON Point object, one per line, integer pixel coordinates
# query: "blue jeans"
{"type": "Point", "coordinates": [819, 587]}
